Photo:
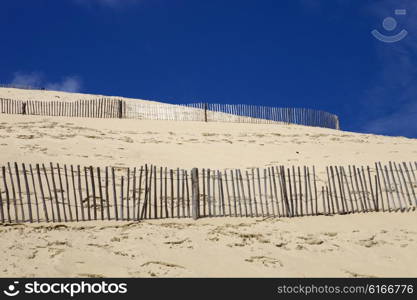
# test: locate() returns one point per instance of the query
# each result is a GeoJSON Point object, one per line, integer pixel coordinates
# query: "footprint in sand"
{"type": "Point", "coordinates": [180, 243]}
{"type": "Point", "coordinates": [159, 268]}
{"type": "Point", "coordinates": [311, 240]}
{"type": "Point", "coordinates": [357, 275]}
{"type": "Point", "coordinates": [265, 261]}
{"type": "Point", "coordinates": [369, 242]}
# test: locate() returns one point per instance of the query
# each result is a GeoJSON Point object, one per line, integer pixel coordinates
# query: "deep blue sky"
{"type": "Point", "coordinates": [302, 53]}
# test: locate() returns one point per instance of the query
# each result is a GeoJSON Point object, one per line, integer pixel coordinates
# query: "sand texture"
{"type": "Point", "coordinates": [370, 244]}
{"type": "Point", "coordinates": [365, 245]}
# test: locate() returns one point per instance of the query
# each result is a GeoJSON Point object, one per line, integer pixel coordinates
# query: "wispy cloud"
{"type": "Point", "coordinates": [401, 122]}
{"type": "Point", "coordinates": [33, 79]}
{"type": "Point", "coordinates": [68, 84]}
{"type": "Point", "coordinates": [391, 102]}
{"type": "Point", "coordinates": [37, 80]}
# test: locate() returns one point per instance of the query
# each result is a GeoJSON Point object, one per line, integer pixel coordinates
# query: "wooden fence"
{"type": "Point", "coordinates": [61, 193]}
{"type": "Point", "coordinates": [237, 113]}
{"type": "Point", "coordinates": [208, 112]}
{"type": "Point", "coordinates": [103, 108]}
{"type": "Point", "coordinates": [390, 187]}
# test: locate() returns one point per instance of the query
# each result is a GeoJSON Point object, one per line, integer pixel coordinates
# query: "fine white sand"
{"type": "Point", "coordinates": [377, 244]}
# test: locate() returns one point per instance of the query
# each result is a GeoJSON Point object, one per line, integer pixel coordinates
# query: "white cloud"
{"type": "Point", "coordinates": [32, 79]}
{"type": "Point", "coordinates": [68, 84]}
{"type": "Point", "coordinates": [36, 80]}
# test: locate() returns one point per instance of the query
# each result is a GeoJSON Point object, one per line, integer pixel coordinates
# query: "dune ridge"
{"type": "Point", "coordinates": [371, 244]}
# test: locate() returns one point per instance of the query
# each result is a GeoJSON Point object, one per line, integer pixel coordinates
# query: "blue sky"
{"type": "Point", "coordinates": [318, 54]}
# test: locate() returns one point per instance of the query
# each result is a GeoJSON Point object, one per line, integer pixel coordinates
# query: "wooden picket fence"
{"type": "Point", "coordinates": [103, 108]}
{"type": "Point", "coordinates": [62, 193]}
{"type": "Point", "coordinates": [390, 187]}
{"type": "Point", "coordinates": [235, 113]}
{"type": "Point", "coordinates": [22, 87]}
{"type": "Point", "coordinates": [207, 112]}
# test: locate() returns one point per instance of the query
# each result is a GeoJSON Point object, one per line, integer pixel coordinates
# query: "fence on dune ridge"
{"type": "Point", "coordinates": [105, 108]}
{"type": "Point", "coordinates": [61, 193]}
{"type": "Point", "coordinates": [208, 112]}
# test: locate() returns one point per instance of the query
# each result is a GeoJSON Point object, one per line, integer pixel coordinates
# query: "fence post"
{"type": "Point", "coordinates": [337, 123]}
{"type": "Point", "coordinates": [24, 108]}
{"type": "Point", "coordinates": [120, 109]}
{"type": "Point", "coordinates": [205, 112]}
{"type": "Point", "coordinates": [195, 194]}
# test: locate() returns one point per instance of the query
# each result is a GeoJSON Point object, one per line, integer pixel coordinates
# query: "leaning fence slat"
{"type": "Point", "coordinates": [266, 193]}
{"type": "Point", "coordinates": [100, 190]}
{"type": "Point", "coordinates": [364, 191]}
{"type": "Point", "coordinates": [334, 190]}
{"type": "Point", "coordinates": [271, 194]}
{"type": "Point", "coordinates": [14, 192]}
{"type": "Point", "coordinates": [395, 185]}
{"type": "Point", "coordinates": [6, 189]}
{"type": "Point", "coordinates": [368, 201]}
{"type": "Point", "coordinates": [238, 193]}
{"type": "Point", "coordinates": [62, 193]}
{"type": "Point", "coordinates": [214, 193]}
{"type": "Point", "coordinates": [107, 193]}
{"type": "Point", "coordinates": [93, 189]}
{"type": "Point", "coordinates": [74, 193]}
{"type": "Point", "coordinates": [275, 192]}
{"type": "Point", "coordinates": [45, 210]}
{"type": "Point", "coordinates": [116, 215]}
{"type": "Point", "coordinates": [67, 191]}
{"type": "Point", "coordinates": [17, 173]}
{"type": "Point", "coordinates": [410, 182]}
{"type": "Point", "coordinates": [345, 179]}
{"type": "Point", "coordinates": [178, 193]}
{"type": "Point", "coordinates": [260, 192]}
{"type": "Point", "coordinates": [227, 193]}
{"type": "Point", "coordinates": [28, 200]}
{"type": "Point", "coordinates": [291, 199]}
{"type": "Point", "coordinates": [166, 192]}
{"type": "Point", "coordinates": [1, 208]}
{"type": "Point", "coordinates": [243, 193]}
{"type": "Point", "coordinates": [371, 190]}
{"type": "Point", "coordinates": [401, 186]}
{"type": "Point", "coordinates": [249, 194]}
{"type": "Point", "coordinates": [121, 198]}
{"type": "Point", "coordinates": [35, 193]}
{"type": "Point", "coordinates": [188, 194]}
{"type": "Point", "coordinates": [139, 193]}
{"type": "Point", "coordinates": [255, 204]}
{"type": "Point", "coordinates": [87, 190]}
{"type": "Point", "coordinates": [49, 192]}
{"type": "Point", "coordinates": [80, 192]}
{"type": "Point", "coordinates": [149, 198]}
{"type": "Point", "coordinates": [55, 192]}
{"type": "Point", "coordinates": [171, 173]}
{"type": "Point", "coordinates": [295, 193]}
{"type": "Point", "coordinates": [386, 186]}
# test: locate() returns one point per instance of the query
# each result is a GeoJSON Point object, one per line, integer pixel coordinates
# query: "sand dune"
{"type": "Point", "coordinates": [365, 245]}
{"type": "Point", "coordinates": [374, 244]}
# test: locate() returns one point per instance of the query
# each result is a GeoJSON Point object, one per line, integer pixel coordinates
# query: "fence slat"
{"type": "Point", "coordinates": [360, 190]}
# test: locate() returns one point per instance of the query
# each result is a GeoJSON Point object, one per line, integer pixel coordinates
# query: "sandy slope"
{"type": "Point", "coordinates": [190, 144]}
{"type": "Point", "coordinates": [353, 245]}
